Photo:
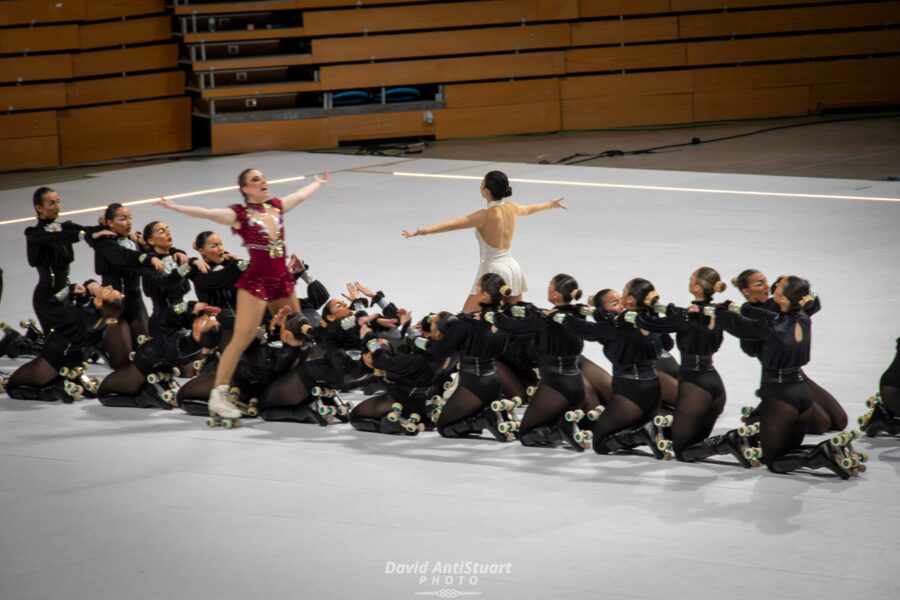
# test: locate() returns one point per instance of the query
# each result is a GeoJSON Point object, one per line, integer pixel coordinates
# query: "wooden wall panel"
{"type": "Point", "coordinates": [598, 33]}
{"type": "Point", "coordinates": [98, 10]}
{"type": "Point", "coordinates": [29, 153]}
{"type": "Point", "coordinates": [722, 5]}
{"type": "Point", "coordinates": [32, 97]}
{"type": "Point", "coordinates": [127, 60]}
{"type": "Point", "coordinates": [437, 16]}
{"type": "Point", "coordinates": [133, 31]}
{"type": "Point", "coordinates": [534, 64]}
{"type": "Point", "coordinates": [27, 40]}
{"type": "Point", "coordinates": [35, 68]}
{"type": "Point", "coordinates": [380, 125]}
{"type": "Point", "coordinates": [120, 130]}
{"type": "Point", "coordinates": [30, 124]}
{"type": "Point", "coordinates": [751, 104]}
{"type": "Point", "coordinates": [258, 136]}
{"type": "Point", "coordinates": [26, 12]}
{"type": "Point", "coordinates": [614, 8]}
{"type": "Point", "coordinates": [436, 43]}
{"type": "Point", "coordinates": [117, 89]}
{"type": "Point", "coordinates": [793, 47]}
{"type": "Point", "coordinates": [626, 111]}
{"type": "Point", "coordinates": [672, 82]}
{"type": "Point", "coordinates": [866, 69]}
{"type": "Point", "coordinates": [843, 95]}
{"type": "Point", "coordinates": [843, 16]}
{"type": "Point", "coordinates": [496, 120]}
{"type": "Point", "coordinates": [616, 58]}
{"type": "Point", "coordinates": [506, 93]}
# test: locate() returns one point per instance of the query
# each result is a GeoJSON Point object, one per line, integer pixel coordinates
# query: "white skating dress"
{"type": "Point", "coordinates": [501, 262]}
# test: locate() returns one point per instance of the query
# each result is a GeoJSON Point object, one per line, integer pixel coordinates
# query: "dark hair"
{"type": "Point", "coordinates": [567, 286]}
{"type": "Point", "coordinates": [796, 289]}
{"type": "Point", "coordinates": [212, 337]}
{"type": "Point", "coordinates": [428, 321]}
{"type": "Point", "coordinates": [497, 183]}
{"type": "Point", "coordinates": [494, 285]}
{"type": "Point", "coordinates": [298, 325]}
{"type": "Point", "coordinates": [110, 213]}
{"type": "Point", "coordinates": [596, 300]}
{"type": "Point", "coordinates": [742, 281]}
{"type": "Point", "coordinates": [242, 181]}
{"type": "Point", "coordinates": [710, 282]}
{"type": "Point", "coordinates": [326, 312]}
{"type": "Point", "coordinates": [201, 238]}
{"type": "Point", "coordinates": [39, 193]}
{"type": "Point", "coordinates": [645, 295]}
{"type": "Point", "coordinates": [148, 230]}
{"type": "Point", "coordinates": [111, 308]}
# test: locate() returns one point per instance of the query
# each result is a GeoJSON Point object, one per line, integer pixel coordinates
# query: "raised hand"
{"type": "Point", "coordinates": [201, 265]}
{"type": "Point", "coordinates": [558, 203]}
{"type": "Point", "coordinates": [158, 264]}
{"type": "Point", "coordinates": [408, 234]}
{"type": "Point", "coordinates": [166, 203]}
{"type": "Point", "coordinates": [363, 289]}
{"type": "Point", "coordinates": [352, 293]}
{"type": "Point", "coordinates": [321, 179]}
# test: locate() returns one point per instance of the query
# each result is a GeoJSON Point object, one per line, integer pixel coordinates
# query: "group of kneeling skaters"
{"type": "Point", "coordinates": [462, 373]}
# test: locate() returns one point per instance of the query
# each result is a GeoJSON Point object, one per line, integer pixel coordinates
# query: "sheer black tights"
{"type": "Point", "coordinates": [37, 372]}
{"type": "Point", "coordinates": [781, 427]}
{"type": "Point", "coordinates": [695, 415]}
{"type": "Point", "coordinates": [126, 381]}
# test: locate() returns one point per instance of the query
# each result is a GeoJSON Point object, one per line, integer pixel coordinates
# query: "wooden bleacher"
{"type": "Point", "coordinates": [85, 80]}
{"type": "Point", "coordinates": [279, 74]}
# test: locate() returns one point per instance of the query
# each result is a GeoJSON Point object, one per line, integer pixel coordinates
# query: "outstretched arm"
{"type": "Point", "coordinates": [222, 216]}
{"type": "Point", "coordinates": [476, 219]}
{"type": "Point", "coordinates": [523, 210]}
{"type": "Point", "coordinates": [290, 201]}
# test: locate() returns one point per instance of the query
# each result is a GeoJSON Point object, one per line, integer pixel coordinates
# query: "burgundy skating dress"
{"type": "Point", "coordinates": [267, 277]}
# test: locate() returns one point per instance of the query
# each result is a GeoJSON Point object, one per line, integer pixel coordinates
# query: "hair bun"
{"type": "Point", "coordinates": [505, 290]}
{"type": "Point", "coordinates": [720, 286]}
{"type": "Point", "coordinates": [576, 294]}
{"type": "Point", "coordinates": [735, 283]}
{"type": "Point", "coordinates": [592, 300]}
{"type": "Point", "coordinates": [508, 192]}
{"type": "Point", "coordinates": [306, 329]}
{"type": "Point", "coordinates": [805, 301]}
{"type": "Point", "coordinates": [651, 298]}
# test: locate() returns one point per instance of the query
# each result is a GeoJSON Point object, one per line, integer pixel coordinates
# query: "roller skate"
{"type": "Point", "coordinates": [76, 375]}
{"type": "Point", "coordinates": [326, 406]}
{"type": "Point", "coordinates": [32, 342]}
{"type": "Point", "coordinates": [10, 335]}
{"type": "Point", "coordinates": [3, 379]}
{"type": "Point", "coordinates": [571, 432]}
{"type": "Point", "coordinates": [530, 391]}
{"type": "Point", "coordinates": [162, 385]}
{"type": "Point", "coordinates": [594, 413]}
{"type": "Point", "coordinates": [878, 419]}
{"type": "Point", "coordinates": [501, 419]}
{"type": "Point", "coordinates": [848, 459]}
{"type": "Point", "coordinates": [73, 391]}
{"type": "Point", "coordinates": [250, 408]}
{"type": "Point", "coordinates": [749, 414]}
{"type": "Point", "coordinates": [450, 386]}
{"type": "Point", "coordinates": [660, 433]}
{"type": "Point", "coordinates": [222, 412]}
{"type": "Point", "coordinates": [437, 406]}
{"type": "Point", "coordinates": [395, 422]}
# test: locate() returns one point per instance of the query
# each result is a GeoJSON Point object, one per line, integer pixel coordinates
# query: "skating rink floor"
{"type": "Point", "coordinates": [126, 504]}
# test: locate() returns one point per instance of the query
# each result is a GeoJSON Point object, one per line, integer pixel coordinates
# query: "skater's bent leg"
{"type": "Point", "coordinates": [117, 341]}
{"type": "Point", "coordinates": [33, 373]}
{"type": "Point", "coordinates": [599, 379]}
{"type": "Point", "coordinates": [782, 428]}
{"type": "Point", "coordinates": [695, 416]}
{"type": "Point", "coordinates": [828, 404]}
{"type": "Point", "coordinates": [668, 386]}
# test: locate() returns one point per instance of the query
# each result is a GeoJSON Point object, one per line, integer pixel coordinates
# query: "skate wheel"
{"type": "Point", "coordinates": [176, 372]}
{"type": "Point", "coordinates": [152, 378]}
{"type": "Point", "coordinates": [397, 407]}
{"type": "Point", "coordinates": [252, 411]}
{"type": "Point", "coordinates": [496, 406]}
{"type": "Point", "coordinates": [197, 364]}
{"type": "Point", "coordinates": [503, 428]}
{"type": "Point", "coordinates": [863, 457]}
{"type": "Point", "coordinates": [131, 355]}
{"type": "Point", "coordinates": [392, 416]}
{"type": "Point", "coordinates": [862, 468]}
{"type": "Point", "coordinates": [211, 422]}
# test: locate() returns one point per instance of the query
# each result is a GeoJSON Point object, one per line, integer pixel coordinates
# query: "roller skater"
{"type": "Point", "coordinates": [494, 228]}
{"type": "Point", "coordinates": [78, 313]}
{"type": "Point", "coordinates": [267, 283]}
{"type": "Point", "coordinates": [883, 415]}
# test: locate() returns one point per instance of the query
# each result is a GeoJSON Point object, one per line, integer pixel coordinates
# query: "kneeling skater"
{"type": "Point", "coordinates": [557, 410]}
{"type": "Point", "coordinates": [78, 315]}
{"type": "Point", "coordinates": [787, 408]}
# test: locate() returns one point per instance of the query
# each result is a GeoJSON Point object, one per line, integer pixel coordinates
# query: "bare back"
{"type": "Point", "coordinates": [499, 226]}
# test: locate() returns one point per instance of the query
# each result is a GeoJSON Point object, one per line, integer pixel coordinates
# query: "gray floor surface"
{"type": "Point", "coordinates": [125, 504]}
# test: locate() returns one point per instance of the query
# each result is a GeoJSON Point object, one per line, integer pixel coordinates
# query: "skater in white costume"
{"type": "Point", "coordinates": [494, 228]}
